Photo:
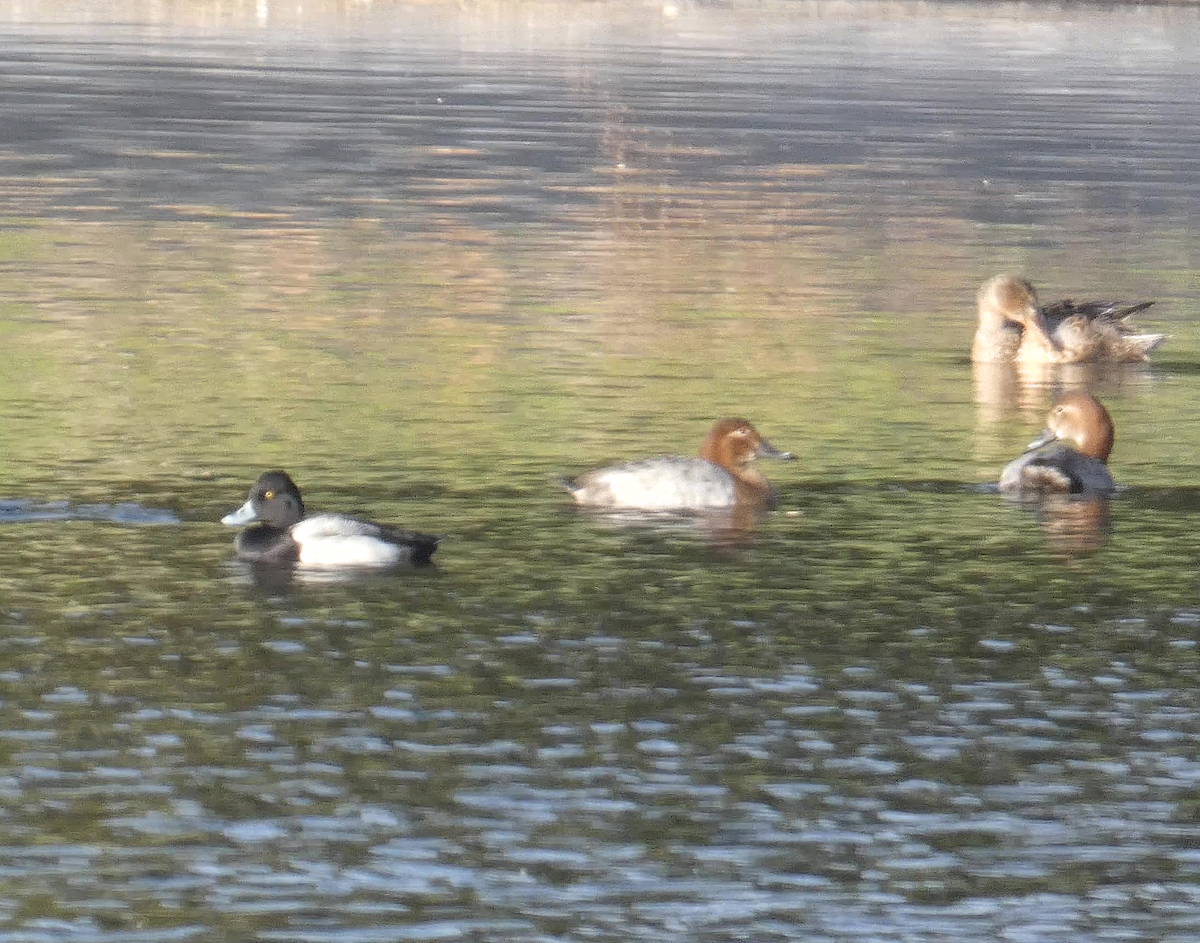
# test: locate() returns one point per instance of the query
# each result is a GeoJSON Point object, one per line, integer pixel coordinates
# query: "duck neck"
{"type": "Point", "coordinates": [1037, 344]}
{"type": "Point", "coordinates": [751, 485]}
{"type": "Point", "coordinates": [996, 338]}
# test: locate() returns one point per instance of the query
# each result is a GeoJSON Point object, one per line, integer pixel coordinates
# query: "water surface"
{"type": "Point", "coordinates": [430, 257]}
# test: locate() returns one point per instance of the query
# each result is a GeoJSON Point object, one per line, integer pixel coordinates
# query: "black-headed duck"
{"type": "Point", "coordinates": [282, 534]}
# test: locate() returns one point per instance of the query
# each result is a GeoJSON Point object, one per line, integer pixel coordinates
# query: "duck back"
{"type": "Point", "coordinates": [1058, 469]}
{"type": "Point", "coordinates": [657, 484]}
{"type": "Point", "coordinates": [340, 540]}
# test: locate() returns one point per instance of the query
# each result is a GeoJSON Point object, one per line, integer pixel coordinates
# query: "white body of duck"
{"type": "Point", "coordinates": [722, 477]}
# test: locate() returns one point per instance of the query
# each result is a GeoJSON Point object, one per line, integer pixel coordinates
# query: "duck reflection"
{"type": "Point", "coordinates": [1005, 390]}
{"type": "Point", "coordinates": [723, 529]}
{"type": "Point", "coordinates": [276, 579]}
{"type": "Point", "coordinates": [1073, 525]}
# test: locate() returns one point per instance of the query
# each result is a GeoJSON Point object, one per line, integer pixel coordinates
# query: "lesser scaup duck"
{"type": "Point", "coordinates": [1014, 327]}
{"type": "Point", "coordinates": [722, 477]}
{"type": "Point", "coordinates": [282, 534]}
{"type": "Point", "coordinates": [1070, 454]}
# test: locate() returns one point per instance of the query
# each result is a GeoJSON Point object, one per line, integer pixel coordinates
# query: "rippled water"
{"type": "Point", "coordinates": [429, 258]}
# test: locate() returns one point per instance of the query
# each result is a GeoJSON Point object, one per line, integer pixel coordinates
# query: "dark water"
{"type": "Point", "coordinates": [431, 257]}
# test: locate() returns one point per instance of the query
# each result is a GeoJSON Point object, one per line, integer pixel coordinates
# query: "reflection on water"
{"type": "Point", "coordinates": [1002, 390]}
{"type": "Point", "coordinates": [432, 257]}
{"type": "Point", "coordinates": [1073, 524]}
{"type": "Point", "coordinates": [726, 528]}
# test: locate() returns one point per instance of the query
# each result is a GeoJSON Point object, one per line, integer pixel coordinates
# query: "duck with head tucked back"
{"type": "Point", "coordinates": [1069, 456]}
{"type": "Point", "coordinates": [1014, 327]}
{"type": "Point", "coordinates": [722, 477]}
{"type": "Point", "coordinates": [282, 534]}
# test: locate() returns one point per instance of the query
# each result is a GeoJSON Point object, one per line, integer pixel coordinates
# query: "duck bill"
{"type": "Point", "coordinates": [1047, 436]}
{"type": "Point", "coordinates": [766, 450]}
{"type": "Point", "coordinates": [243, 515]}
{"type": "Point", "coordinates": [1037, 328]}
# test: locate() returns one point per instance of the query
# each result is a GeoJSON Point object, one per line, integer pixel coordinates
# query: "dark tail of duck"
{"type": "Point", "coordinates": [424, 547]}
{"type": "Point", "coordinates": [1121, 313]}
{"type": "Point", "coordinates": [420, 547]}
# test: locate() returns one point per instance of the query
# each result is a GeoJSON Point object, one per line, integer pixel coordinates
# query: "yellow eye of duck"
{"type": "Point", "coordinates": [268, 495]}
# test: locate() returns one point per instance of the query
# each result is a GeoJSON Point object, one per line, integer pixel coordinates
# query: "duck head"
{"type": "Point", "coordinates": [1080, 421]}
{"type": "Point", "coordinates": [735, 443]}
{"type": "Point", "coordinates": [274, 499]}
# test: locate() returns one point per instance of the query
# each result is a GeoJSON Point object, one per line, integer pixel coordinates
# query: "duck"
{"type": "Point", "coordinates": [1070, 455]}
{"type": "Point", "coordinates": [1014, 327]}
{"type": "Point", "coordinates": [282, 534]}
{"type": "Point", "coordinates": [721, 478]}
